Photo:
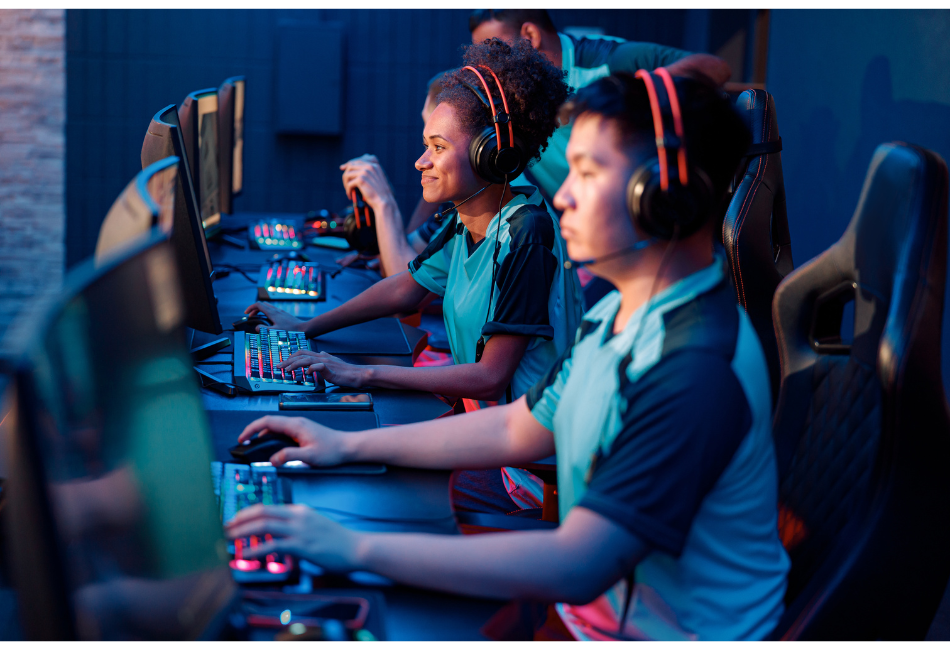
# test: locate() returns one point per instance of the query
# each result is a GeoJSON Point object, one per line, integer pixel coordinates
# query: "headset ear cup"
{"type": "Point", "coordinates": [641, 188]}
{"type": "Point", "coordinates": [492, 165]}
{"type": "Point", "coordinates": [657, 213]}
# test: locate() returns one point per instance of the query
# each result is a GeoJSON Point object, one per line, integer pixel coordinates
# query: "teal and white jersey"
{"type": "Point", "coordinates": [534, 295]}
{"type": "Point", "coordinates": [672, 440]}
{"type": "Point", "coordinates": [585, 60]}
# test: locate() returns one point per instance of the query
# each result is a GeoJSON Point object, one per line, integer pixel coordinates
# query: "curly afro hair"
{"type": "Point", "coordinates": [534, 88]}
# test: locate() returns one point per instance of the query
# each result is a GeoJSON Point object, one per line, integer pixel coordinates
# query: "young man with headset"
{"type": "Point", "coordinates": [660, 413]}
{"type": "Point", "coordinates": [509, 304]}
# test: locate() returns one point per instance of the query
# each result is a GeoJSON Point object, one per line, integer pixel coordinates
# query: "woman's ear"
{"type": "Point", "coordinates": [532, 32]}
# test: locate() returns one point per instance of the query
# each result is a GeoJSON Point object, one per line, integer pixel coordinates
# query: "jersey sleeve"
{"type": "Point", "coordinates": [430, 269]}
{"type": "Point", "coordinates": [684, 421]}
{"type": "Point", "coordinates": [525, 276]}
{"type": "Point", "coordinates": [543, 397]}
{"type": "Point", "coordinates": [632, 56]}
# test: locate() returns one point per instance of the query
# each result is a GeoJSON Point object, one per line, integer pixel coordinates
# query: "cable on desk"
{"type": "Point", "coordinates": [231, 267]}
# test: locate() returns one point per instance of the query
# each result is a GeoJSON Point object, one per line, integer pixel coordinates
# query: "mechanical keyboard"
{"type": "Point", "coordinates": [273, 235]}
{"type": "Point", "coordinates": [291, 280]}
{"type": "Point", "coordinates": [256, 356]}
{"type": "Point", "coordinates": [237, 487]}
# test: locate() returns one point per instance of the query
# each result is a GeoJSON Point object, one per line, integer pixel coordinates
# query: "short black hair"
{"type": "Point", "coordinates": [514, 18]}
{"type": "Point", "coordinates": [534, 88]}
{"type": "Point", "coordinates": [716, 136]}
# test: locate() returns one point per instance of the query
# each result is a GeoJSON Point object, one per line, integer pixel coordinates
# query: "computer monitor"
{"type": "Point", "coordinates": [165, 138]}
{"type": "Point", "coordinates": [147, 202]}
{"type": "Point", "coordinates": [198, 116]}
{"type": "Point", "coordinates": [111, 522]}
{"type": "Point", "coordinates": [231, 141]}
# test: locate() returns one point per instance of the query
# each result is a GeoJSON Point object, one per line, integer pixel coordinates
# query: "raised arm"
{"type": "Point", "coordinates": [706, 64]}
{"type": "Point", "coordinates": [366, 174]}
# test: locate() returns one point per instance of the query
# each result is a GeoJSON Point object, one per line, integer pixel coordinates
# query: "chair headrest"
{"type": "Point", "coordinates": [898, 188]}
{"type": "Point", "coordinates": [758, 110]}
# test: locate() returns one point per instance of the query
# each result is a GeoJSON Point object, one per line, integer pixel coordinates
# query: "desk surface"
{"type": "Point", "coordinates": [402, 499]}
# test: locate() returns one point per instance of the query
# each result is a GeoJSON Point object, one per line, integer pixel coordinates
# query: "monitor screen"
{"type": "Point", "coordinates": [237, 159]}
{"type": "Point", "coordinates": [147, 202]}
{"type": "Point", "coordinates": [208, 196]}
{"type": "Point", "coordinates": [231, 141]}
{"type": "Point", "coordinates": [165, 137]}
{"type": "Point", "coordinates": [199, 125]}
{"type": "Point", "coordinates": [112, 437]}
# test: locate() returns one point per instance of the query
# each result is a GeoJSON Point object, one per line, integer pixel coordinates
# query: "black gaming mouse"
{"type": "Point", "coordinates": [250, 323]}
{"type": "Point", "coordinates": [260, 449]}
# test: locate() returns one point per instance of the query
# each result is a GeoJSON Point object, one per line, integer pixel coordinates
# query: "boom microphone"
{"type": "Point", "coordinates": [640, 245]}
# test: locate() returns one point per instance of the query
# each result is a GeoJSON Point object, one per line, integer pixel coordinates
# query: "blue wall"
{"type": "Point", "coordinates": [844, 82]}
{"type": "Point", "coordinates": [124, 65]}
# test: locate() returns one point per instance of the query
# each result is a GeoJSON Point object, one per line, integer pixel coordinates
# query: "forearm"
{"type": "Point", "coordinates": [390, 296]}
{"type": "Point", "coordinates": [394, 250]}
{"type": "Point", "coordinates": [711, 66]}
{"type": "Point", "coordinates": [469, 380]}
{"type": "Point", "coordinates": [528, 564]}
{"type": "Point", "coordinates": [493, 437]}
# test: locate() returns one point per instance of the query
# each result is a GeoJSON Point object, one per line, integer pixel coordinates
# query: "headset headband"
{"type": "Point", "coordinates": [664, 141]}
{"type": "Point", "coordinates": [497, 118]}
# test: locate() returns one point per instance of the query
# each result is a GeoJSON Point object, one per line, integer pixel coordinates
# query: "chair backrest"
{"type": "Point", "coordinates": [861, 427]}
{"type": "Point", "coordinates": [147, 201]}
{"type": "Point", "coordinates": [755, 229]}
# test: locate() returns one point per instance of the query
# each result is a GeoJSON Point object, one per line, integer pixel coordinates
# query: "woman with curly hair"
{"type": "Point", "coordinates": [510, 306]}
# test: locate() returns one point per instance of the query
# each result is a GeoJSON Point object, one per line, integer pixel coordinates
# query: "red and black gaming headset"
{"type": "Point", "coordinates": [491, 160]}
{"type": "Point", "coordinates": [664, 199]}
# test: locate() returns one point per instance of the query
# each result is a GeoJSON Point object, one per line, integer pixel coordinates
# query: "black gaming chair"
{"type": "Point", "coordinates": [862, 431]}
{"type": "Point", "coordinates": [755, 229]}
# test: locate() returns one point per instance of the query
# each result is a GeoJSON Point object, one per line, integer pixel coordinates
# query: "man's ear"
{"type": "Point", "coordinates": [532, 32]}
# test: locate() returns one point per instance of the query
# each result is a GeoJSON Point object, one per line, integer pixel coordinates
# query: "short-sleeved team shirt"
{"type": "Point", "coordinates": [672, 441]}
{"type": "Point", "coordinates": [585, 60]}
{"type": "Point", "coordinates": [534, 295]}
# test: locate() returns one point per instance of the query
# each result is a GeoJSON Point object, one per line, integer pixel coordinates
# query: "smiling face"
{"type": "Point", "coordinates": [447, 174]}
{"type": "Point", "coordinates": [595, 221]}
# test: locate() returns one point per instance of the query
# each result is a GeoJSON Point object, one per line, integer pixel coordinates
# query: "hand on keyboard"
{"type": "Point", "coordinates": [299, 531]}
{"type": "Point", "coordinates": [281, 320]}
{"type": "Point", "coordinates": [319, 445]}
{"type": "Point", "coordinates": [329, 367]}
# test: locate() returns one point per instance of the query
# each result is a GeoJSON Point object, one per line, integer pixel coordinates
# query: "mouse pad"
{"type": "Point", "coordinates": [226, 426]}
{"type": "Point", "coordinates": [383, 336]}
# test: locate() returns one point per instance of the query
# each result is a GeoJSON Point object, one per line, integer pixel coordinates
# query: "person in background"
{"type": "Point", "coordinates": [584, 60]}
{"type": "Point", "coordinates": [660, 414]}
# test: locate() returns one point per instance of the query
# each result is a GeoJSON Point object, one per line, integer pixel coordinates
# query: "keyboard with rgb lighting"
{"type": "Point", "coordinates": [237, 487]}
{"type": "Point", "coordinates": [291, 280]}
{"type": "Point", "coordinates": [254, 366]}
{"type": "Point", "coordinates": [274, 235]}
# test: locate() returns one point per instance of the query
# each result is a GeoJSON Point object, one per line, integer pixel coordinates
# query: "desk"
{"type": "Point", "coordinates": [419, 497]}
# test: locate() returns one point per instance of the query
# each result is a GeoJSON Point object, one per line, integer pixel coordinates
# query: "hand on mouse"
{"type": "Point", "coordinates": [319, 445]}
{"type": "Point", "coordinates": [298, 530]}
{"type": "Point", "coordinates": [281, 320]}
{"type": "Point", "coordinates": [329, 367]}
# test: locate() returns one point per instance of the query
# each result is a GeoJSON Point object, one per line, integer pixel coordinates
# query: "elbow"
{"type": "Point", "coordinates": [722, 72]}
{"type": "Point", "coordinates": [491, 391]}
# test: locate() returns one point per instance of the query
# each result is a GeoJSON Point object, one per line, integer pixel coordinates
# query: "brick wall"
{"type": "Point", "coordinates": [32, 154]}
